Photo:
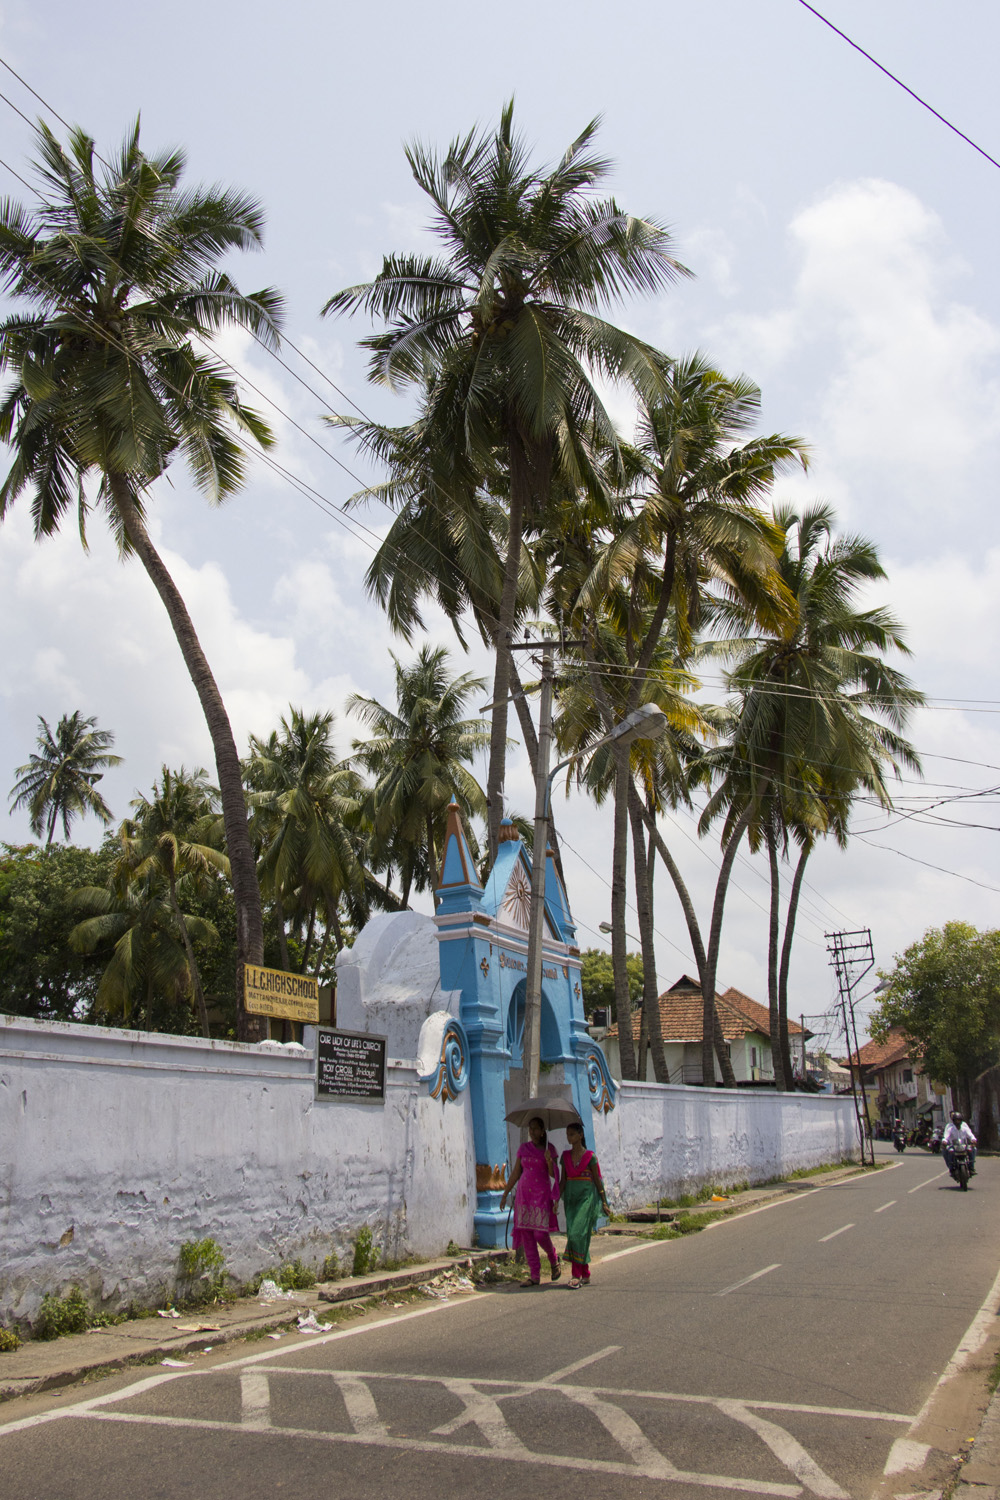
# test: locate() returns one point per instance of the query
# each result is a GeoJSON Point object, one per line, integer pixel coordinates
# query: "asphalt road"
{"type": "Point", "coordinates": [780, 1353]}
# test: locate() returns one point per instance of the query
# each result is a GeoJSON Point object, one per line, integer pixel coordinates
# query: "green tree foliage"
{"type": "Point", "coordinates": [945, 994]}
{"type": "Point", "coordinates": [59, 782]}
{"type": "Point", "coordinates": [118, 280]}
{"type": "Point", "coordinates": [418, 755]}
{"type": "Point", "coordinates": [306, 824]}
{"type": "Point", "coordinates": [166, 855]}
{"type": "Point", "coordinates": [40, 974]}
{"type": "Point", "coordinates": [501, 335]}
{"type": "Point", "coordinates": [597, 979]}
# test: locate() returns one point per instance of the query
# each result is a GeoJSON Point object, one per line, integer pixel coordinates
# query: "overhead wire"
{"type": "Point", "coordinates": [904, 86]}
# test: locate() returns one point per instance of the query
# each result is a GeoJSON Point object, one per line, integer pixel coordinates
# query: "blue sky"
{"type": "Point", "coordinates": [844, 244]}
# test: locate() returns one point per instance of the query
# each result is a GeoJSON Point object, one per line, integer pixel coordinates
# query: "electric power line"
{"type": "Point", "coordinates": [905, 87]}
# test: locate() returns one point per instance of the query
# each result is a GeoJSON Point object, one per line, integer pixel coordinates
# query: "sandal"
{"type": "Point", "coordinates": [556, 1270]}
{"type": "Point", "coordinates": [574, 1284]}
{"type": "Point", "coordinates": [527, 1285]}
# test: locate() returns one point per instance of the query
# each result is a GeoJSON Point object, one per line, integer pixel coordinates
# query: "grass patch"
{"type": "Point", "coordinates": [993, 1379]}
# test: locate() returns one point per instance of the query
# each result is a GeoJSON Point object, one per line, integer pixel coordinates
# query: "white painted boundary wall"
{"type": "Point", "coordinates": [117, 1146]}
{"type": "Point", "coordinates": [663, 1140]}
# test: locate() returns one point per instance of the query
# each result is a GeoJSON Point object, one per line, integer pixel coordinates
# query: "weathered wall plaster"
{"type": "Point", "coordinates": [115, 1147]}
{"type": "Point", "coordinates": [662, 1140]}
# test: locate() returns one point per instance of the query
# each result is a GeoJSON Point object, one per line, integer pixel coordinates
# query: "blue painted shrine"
{"type": "Point", "coordinates": [483, 948]}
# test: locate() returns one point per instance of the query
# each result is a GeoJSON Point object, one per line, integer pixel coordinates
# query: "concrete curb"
{"type": "Point", "coordinates": [979, 1477]}
{"type": "Point", "coordinates": [42, 1366]}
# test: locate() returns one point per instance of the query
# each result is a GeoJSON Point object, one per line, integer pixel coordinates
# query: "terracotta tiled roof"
{"type": "Point", "coordinates": [881, 1054]}
{"type": "Point", "coordinates": [758, 1013]}
{"type": "Point", "coordinates": [681, 1015]}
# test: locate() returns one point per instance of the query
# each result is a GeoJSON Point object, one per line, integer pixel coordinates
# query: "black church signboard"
{"type": "Point", "coordinates": [350, 1065]}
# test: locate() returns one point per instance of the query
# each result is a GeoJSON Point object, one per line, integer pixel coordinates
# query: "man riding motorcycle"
{"type": "Point", "coordinates": [955, 1133]}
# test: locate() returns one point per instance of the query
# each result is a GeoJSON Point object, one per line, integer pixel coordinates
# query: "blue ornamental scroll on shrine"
{"type": "Point", "coordinates": [483, 947]}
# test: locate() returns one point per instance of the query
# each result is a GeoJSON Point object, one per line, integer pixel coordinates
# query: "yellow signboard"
{"type": "Point", "coordinates": [290, 997]}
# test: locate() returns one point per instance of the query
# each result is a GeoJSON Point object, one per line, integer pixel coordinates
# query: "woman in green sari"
{"type": "Point", "coordinates": [583, 1198]}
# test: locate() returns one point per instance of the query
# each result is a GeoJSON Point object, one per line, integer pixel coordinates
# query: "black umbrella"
{"type": "Point", "coordinates": [555, 1114]}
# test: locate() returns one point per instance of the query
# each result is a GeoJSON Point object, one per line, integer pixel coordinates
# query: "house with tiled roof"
{"type": "Point", "coordinates": [895, 1086]}
{"type": "Point", "coordinates": [745, 1028]}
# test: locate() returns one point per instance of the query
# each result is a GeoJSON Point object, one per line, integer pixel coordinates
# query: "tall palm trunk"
{"type": "Point", "coordinates": [650, 991]}
{"type": "Point", "coordinates": [431, 859]}
{"type": "Point", "coordinates": [246, 890]}
{"type": "Point", "coordinates": [279, 917]}
{"type": "Point", "coordinates": [199, 993]}
{"type": "Point", "coordinates": [658, 842]}
{"type": "Point", "coordinates": [781, 1080]}
{"type": "Point", "coordinates": [501, 676]}
{"type": "Point", "coordinates": [619, 964]}
{"type": "Point", "coordinates": [709, 1017]}
{"type": "Point", "coordinates": [307, 946]}
{"type": "Point", "coordinates": [786, 958]}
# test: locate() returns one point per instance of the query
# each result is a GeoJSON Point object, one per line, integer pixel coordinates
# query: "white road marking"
{"type": "Point", "coordinates": [826, 1187]}
{"type": "Point", "coordinates": [786, 1448]}
{"type": "Point", "coordinates": [94, 1403]}
{"type": "Point", "coordinates": [842, 1230]}
{"type": "Point", "coordinates": [975, 1336]}
{"type": "Point", "coordinates": [461, 1450]}
{"type": "Point", "coordinates": [633, 1250]}
{"type": "Point", "coordinates": [510, 1388]}
{"type": "Point", "coordinates": [255, 1394]}
{"type": "Point", "coordinates": [361, 1409]}
{"type": "Point", "coordinates": [581, 1364]}
{"type": "Point", "coordinates": [628, 1435]}
{"type": "Point", "coordinates": [484, 1412]}
{"type": "Point", "coordinates": [928, 1181]}
{"type": "Point", "coordinates": [891, 1203]}
{"type": "Point", "coordinates": [747, 1280]}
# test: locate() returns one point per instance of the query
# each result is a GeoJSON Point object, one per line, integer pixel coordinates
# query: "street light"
{"type": "Point", "coordinates": [645, 723]}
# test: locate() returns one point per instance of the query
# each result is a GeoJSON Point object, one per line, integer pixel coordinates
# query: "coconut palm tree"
{"type": "Point", "coordinates": [119, 269]}
{"type": "Point", "coordinates": [502, 336]}
{"type": "Point", "coordinates": [687, 527]}
{"type": "Point", "coordinates": [306, 806]}
{"type": "Point", "coordinates": [60, 781]}
{"type": "Point", "coordinates": [819, 714]}
{"type": "Point", "coordinates": [167, 853]}
{"type": "Point", "coordinates": [584, 715]}
{"type": "Point", "coordinates": [174, 837]}
{"type": "Point", "coordinates": [418, 756]}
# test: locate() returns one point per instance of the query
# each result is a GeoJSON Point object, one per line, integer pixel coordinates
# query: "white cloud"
{"type": "Point", "coordinates": [903, 402]}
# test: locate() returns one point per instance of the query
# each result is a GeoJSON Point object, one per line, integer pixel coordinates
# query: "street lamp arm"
{"type": "Point", "coordinates": [646, 723]}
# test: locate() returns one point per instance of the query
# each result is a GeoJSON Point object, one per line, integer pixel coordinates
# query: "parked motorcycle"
{"type": "Point", "coordinates": [960, 1165]}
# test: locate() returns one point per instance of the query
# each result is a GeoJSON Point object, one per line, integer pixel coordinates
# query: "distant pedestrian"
{"type": "Point", "coordinates": [535, 1185]}
{"type": "Point", "coordinates": [583, 1198]}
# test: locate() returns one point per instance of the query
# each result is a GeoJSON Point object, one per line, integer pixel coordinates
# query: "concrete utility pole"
{"type": "Point", "coordinates": [645, 723]}
{"type": "Point", "coordinates": [539, 865]}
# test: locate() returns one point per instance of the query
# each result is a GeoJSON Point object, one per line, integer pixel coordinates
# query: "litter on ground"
{"type": "Point", "coordinates": [270, 1291]}
{"type": "Point", "coordinates": [308, 1324]}
{"type": "Point", "coordinates": [176, 1364]}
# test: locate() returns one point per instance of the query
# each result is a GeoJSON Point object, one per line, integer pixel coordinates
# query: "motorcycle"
{"type": "Point", "coordinates": [934, 1144]}
{"type": "Point", "coordinates": [960, 1165]}
{"type": "Point", "coordinates": [899, 1139]}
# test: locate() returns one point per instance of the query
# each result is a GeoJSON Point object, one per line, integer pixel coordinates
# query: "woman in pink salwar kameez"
{"type": "Point", "coordinates": [535, 1185]}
